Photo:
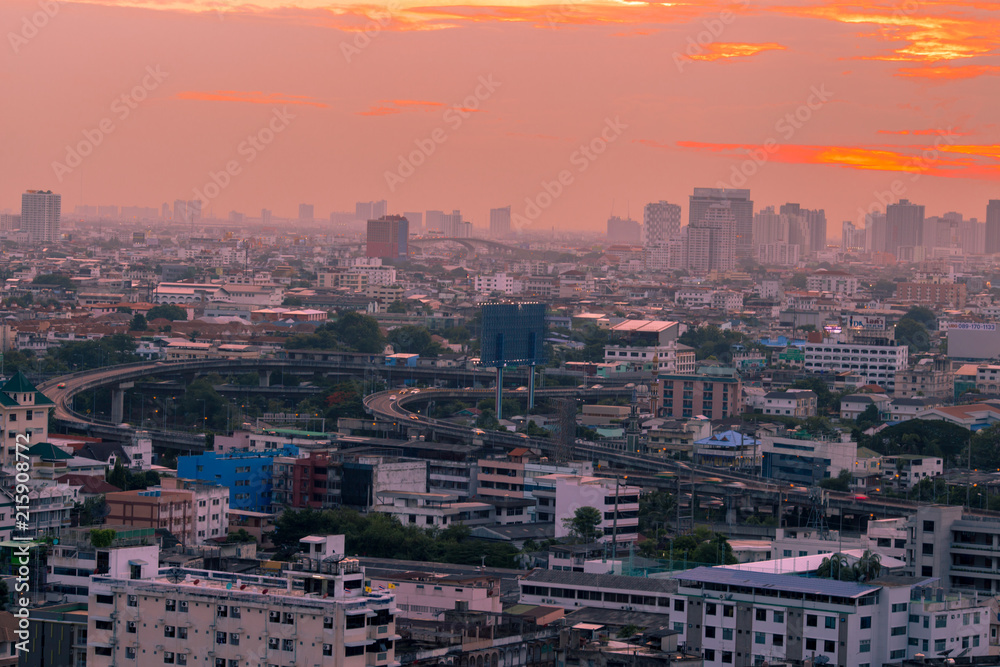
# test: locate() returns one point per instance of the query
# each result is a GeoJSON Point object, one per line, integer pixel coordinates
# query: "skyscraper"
{"type": "Point", "coordinates": [852, 238]}
{"type": "Point", "coordinates": [305, 211]}
{"type": "Point", "coordinates": [808, 226]}
{"type": "Point", "coordinates": [40, 212]}
{"type": "Point", "coordinates": [740, 207]}
{"type": "Point", "coordinates": [387, 237]}
{"type": "Point", "coordinates": [416, 220]}
{"type": "Point", "coordinates": [661, 222]}
{"type": "Point", "coordinates": [710, 240]}
{"type": "Point", "coordinates": [769, 227]}
{"type": "Point", "coordinates": [875, 231]}
{"type": "Point", "coordinates": [904, 226]}
{"type": "Point", "coordinates": [265, 216]}
{"type": "Point", "coordinates": [623, 230]}
{"type": "Point", "coordinates": [993, 227]}
{"type": "Point", "coordinates": [500, 222]}
{"type": "Point", "coordinates": [370, 210]}
{"type": "Point", "coordinates": [434, 221]}
{"type": "Point", "coordinates": [380, 208]}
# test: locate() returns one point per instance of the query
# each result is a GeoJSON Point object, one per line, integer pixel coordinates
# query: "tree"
{"type": "Point", "coordinates": [868, 567]}
{"type": "Point", "coordinates": [798, 281]}
{"type": "Point", "coordinates": [884, 289]}
{"type": "Point", "coordinates": [396, 307]}
{"type": "Point", "coordinates": [292, 302]}
{"type": "Point", "coordinates": [118, 477]}
{"type": "Point", "coordinates": [836, 566]}
{"type": "Point", "coordinates": [411, 339]}
{"type": "Point", "coordinates": [923, 315]}
{"type": "Point", "coordinates": [629, 631]}
{"type": "Point", "coordinates": [167, 312]}
{"type": "Point", "coordinates": [914, 334]}
{"type": "Point", "coordinates": [240, 536]}
{"type": "Point", "coordinates": [102, 538]}
{"type": "Point", "coordinates": [584, 524]}
{"type": "Point", "coordinates": [138, 323]}
{"type": "Point", "coordinates": [54, 280]}
{"type": "Point", "coordinates": [842, 482]}
{"type": "Point", "coordinates": [869, 417]}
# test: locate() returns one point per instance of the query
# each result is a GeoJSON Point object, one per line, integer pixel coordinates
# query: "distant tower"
{"type": "Point", "coordinates": [500, 222]}
{"type": "Point", "coordinates": [993, 227]}
{"type": "Point", "coordinates": [741, 207]}
{"type": "Point", "coordinates": [661, 222]}
{"type": "Point", "coordinates": [305, 212]}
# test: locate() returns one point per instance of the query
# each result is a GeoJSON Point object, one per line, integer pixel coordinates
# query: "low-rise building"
{"type": "Point", "coordinates": [711, 392]}
{"type": "Point", "coordinates": [906, 470]}
{"type": "Point", "coordinates": [427, 596]}
{"type": "Point", "coordinates": [799, 403]}
{"type": "Point", "coordinates": [433, 510]}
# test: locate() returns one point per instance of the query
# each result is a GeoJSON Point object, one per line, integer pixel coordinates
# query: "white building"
{"type": "Point", "coordinates": [427, 596]}
{"type": "Point", "coordinates": [133, 554]}
{"type": "Point", "coordinates": [433, 510]}
{"type": "Point", "coordinates": [876, 362]}
{"type": "Point", "coordinates": [799, 403]}
{"type": "Point", "coordinates": [906, 470]}
{"type": "Point", "coordinates": [318, 614]}
{"type": "Point", "coordinates": [835, 282]}
{"type": "Point", "coordinates": [501, 282]}
{"type": "Point", "coordinates": [606, 495]}
{"type": "Point", "coordinates": [853, 405]}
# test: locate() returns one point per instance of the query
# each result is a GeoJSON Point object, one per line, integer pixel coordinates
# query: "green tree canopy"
{"type": "Point", "coordinates": [167, 312]}
{"type": "Point", "coordinates": [351, 331]}
{"type": "Point", "coordinates": [584, 525]}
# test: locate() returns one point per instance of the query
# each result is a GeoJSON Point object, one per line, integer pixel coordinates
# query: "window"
{"type": "Point", "coordinates": [353, 622]}
{"type": "Point", "coordinates": [900, 606]}
{"type": "Point", "coordinates": [709, 655]}
{"type": "Point", "coordinates": [710, 609]}
{"type": "Point", "coordinates": [927, 571]}
{"type": "Point", "coordinates": [928, 526]}
{"type": "Point", "coordinates": [182, 605]}
{"type": "Point", "coordinates": [779, 617]}
{"type": "Point", "coordinates": [760, 614]}
{"type": "Point", "coordinates": [129, 627]}
{"type": "Point", "coordinates": [170, 605]}
{"type": "Point", "coordinates": [811, 620]}
{"type": "Point", "coordinates": [130, 653]}
{"type": "Point", "coordinates": [710, 631]}
{"type": "Point", "coordinates": [830, 622]}
{"type": "Point", "coordinates": [927, 548]}
{"type": "Point", "coordinates": [350, 651]}
{"type": "Point", "coordinates": [101, 599]}
{"type": "Point", "coordinates": [727, 633]}
{"type": "Point", "coordinates": [327, 622]}
{"type": "Point", "coordinates": [941, 621]}
{"type": "Point", "coordinates": [829, 646]}
{"type": "Point", "coordinates": [939, 645]}
{"type": "Point", "coordinates": [778, 640]}
{"type": "Point", "coordinates": [222, 611]}
{"type": "Point", "coordinates": [866, 622]}
{"type": "Point", "coordinates": [234, 638]}
{"type": "Point", "coordinates": [220, 637]}
{"type": "Point", "coordinates": [133, 601]}
{"type": "Point", "coordinates": [169, 631]}
{"type": "Point", "coordinates": [810, 644]}
{"type": "Point", "coordinates": [182, 633]}
{"type": "Point", "coordinates": [273, 643]}
{"type": "Point", "coordinates": [727, 657]}
{"type": "Point", "coordinates": [288, 618]}
{"type": "Point", "coordinates": [758, 638]}
{"type": "Point", "coordinates": [898, 654]}
{"type": "Point", "coordinates": [898, 631]}
{"type": "Point", "coordinates": [168, 658]}
{"type": "Point", "coordinates": [287, 644]}
{"type": "Point", "coordinates": [727, 610]}
{"type": "Point", "coordinates": [866, 646]}
{"type": "Point", "coordinates": [274, 616]}
{"type": "Point", "coordinates": [678, 605]}
{"type": "Point", "coordinates": [327, 649]}
{"type": "Point", "coordinates": [234, 612]}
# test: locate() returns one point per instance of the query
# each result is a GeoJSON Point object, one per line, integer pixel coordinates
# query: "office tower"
{"type": "Point", "coordinates": [40, 211]}
{"type": "Point", "coordinates": [661, 222]}
{"type": "Point", "coordinates": [808, 227]}
{"type": "Point", "coordinates": [363, 210]}
{"type": "Point", "coordinates": [904, 226]}
{"type": "Point", "coordinates": [769, 227]}
{"type": "Point", "coordinates": [852, 238]}
{"type": "Point", "coordinates": [993, 227]}
{"type": "Point", "coordinates": [740, 208]}
{"type": "Point", "coordinates": [180, 210]}
{"type": "Point", "coordinates": [452, 224]}
{"type": "Point", "coordinates": [416, 220]}
{"type": "Point", "coordinates": [434, 221]}
{"type": "Point", "coordinates": [875, 232]}
{"type": "Point", "coordinates": [624, 230]}
{"type": "Point", "coordinates": [972, 235]}
{"type": "Point", "coordinates": [380, 208]}
{"type": "Point", "coordinates": [265, 216]}
{"type": "Point", "coordinates": [500, 222]}
{"type": "Point", "coordinates": [387, 237]}
{"type": "Point", "coordinates": [9, 222]}
{"type": "Point", "coordinates": [305, 212]}
{"type": "Point", "coordinates": [711, 239]}
{"type": "Point", "coordinates": [165, 211]}
{"type": "Point", "coordinates": [236, 217]}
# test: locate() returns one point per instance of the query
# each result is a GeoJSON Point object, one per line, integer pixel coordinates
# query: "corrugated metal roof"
{"type": "Point", "coordinates": [781, 582]}
{"type": "Point", "coordinates": [605, 581]}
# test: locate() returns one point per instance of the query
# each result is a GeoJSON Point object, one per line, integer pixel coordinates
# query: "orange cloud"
{"type": "Point", "coordinates": [392, 107]}
{"type": "Point", "coordinates": [249, 97]}
{"type": "Point", "coordinates": [980, 163]}
{"type": "Point", "coordinates": [726, 51]}
{"type": "Point", "coordinates": [924, 133]}
{"type": "Point", "coordinates": [949, 73]}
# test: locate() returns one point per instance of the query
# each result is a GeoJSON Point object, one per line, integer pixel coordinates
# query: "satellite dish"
{"type": "Point", "coordinates": [175, 576]}
{"type": "Point", "coordinates": [335, 558]}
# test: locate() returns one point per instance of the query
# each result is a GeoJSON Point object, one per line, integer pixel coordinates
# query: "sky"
{"type": "Point", "coordinates": [567, 111]}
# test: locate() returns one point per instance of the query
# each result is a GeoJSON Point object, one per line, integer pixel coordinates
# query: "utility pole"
{"type": "Point", "coordinates": [614, 525]}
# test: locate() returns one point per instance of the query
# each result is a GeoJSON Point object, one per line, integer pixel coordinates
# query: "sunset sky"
{"type": "Point", "coordinates": [832, 103]}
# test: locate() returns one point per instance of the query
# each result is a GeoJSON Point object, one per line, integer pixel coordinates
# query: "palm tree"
{"type": "Point", "coordinates": [868, 567]}
{"type": "Point", "coordinates": [835, 566]}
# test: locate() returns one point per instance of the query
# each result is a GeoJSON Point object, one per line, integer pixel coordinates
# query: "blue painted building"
{"type": "Point", "coordinates": [246, 473]}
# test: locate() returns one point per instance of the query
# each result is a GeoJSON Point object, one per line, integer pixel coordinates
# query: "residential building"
{"type": "Point", "coordinates": [993, 227]}
{"type": "Point", "coordinates": [876, 360]}
{"type": "Point", "coordinates": [194, 512]}
{"type": "Point", "coordinates": [710, 392]}
{"type": "Point", "coordinates": [40, 215]}
{"type": "Point", "coordinates": [835, 282]}
{"type": "Point", "coordinates": [501, 282]}
{"type": "Point", "coordinates": [24, 417]}
{"type": "Point", "coordinates": [711, 240]}
{"type": "Point", "coordinates": [57, 635]}
{"type": "Point", "coordinates": [426, 596]}
{"type": "Point", "coordinates": [318, 613]}
{"type": "Point", "coordinates": [72, 561]}
{"type": "Point", "coordinates": [247, 474]}
{"type": "Point", "coordinates": [623, 230]}
{"type": "Point", "coordinates": [661, 223]}
{"type": "Point", "coordinates": [904, 471]}
{"type": "Point", "coordinates": [387, 237]}
{"type": "Point", "coordinates": [740, 207]}
{"type": "Point", "coordinates": [934, 295]}
{"type": "Point", "coordinates": [904, 227]}
{"type": "Point", "coordinates": [434, 510]}
{"type": "Point", "coordinates": [852, 405]}
{"type": "Point", "coordinates": [608, 496]}
{"type": "Point", "coordinates": [928, 377]}
{"type": "Point", "coordinates": [903, 409]}
{"type": "Point", "coordinates": [729, 449]}
{"type": "Point", "coordinates": [802, 458]}
{"type": "Point", "coordinates": [799, 403]}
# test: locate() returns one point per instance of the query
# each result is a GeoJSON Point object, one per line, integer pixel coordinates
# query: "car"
{"type": "Point", "coordinates": [414, 391]}
{"type": "Point", "coordinates": [598, 386]}
{"type": "Point", "coordinates": [414, 417]}
{"type": "Point", "coordinates": [521, 389]}
{"type": "Point", "coordinates": [523, 435]}
{"type": "Point", "coordinates": [581, 386]}
{"type": "Point", "coordinates": [479, 431]}
{"type": "Point", "coordinates": [393, 397]}
{"type": "Point", "coordinates": [61, 385]}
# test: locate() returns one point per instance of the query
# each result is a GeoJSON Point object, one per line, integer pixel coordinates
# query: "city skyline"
{"type": "Point", "coordinates": [875, 92]}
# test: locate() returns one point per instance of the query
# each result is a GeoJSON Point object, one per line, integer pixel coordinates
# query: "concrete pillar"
{"type": "Point", "coordinates": [118, 401]}
{"type": "Point", "coordinates": [265, 378]}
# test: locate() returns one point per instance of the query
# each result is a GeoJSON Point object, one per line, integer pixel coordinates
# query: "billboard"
{"type": "Point", "coordinates": [967, 326]}
{"type": "Point", "coordinates": [871, 322]}
{"type": "Point", "coordinates": [512, 334]}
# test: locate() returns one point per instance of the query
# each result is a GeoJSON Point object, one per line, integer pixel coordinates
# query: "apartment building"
{"type": "Point", "coordinates": [426, 596]}
{"type": "Point", "coordinates": [434, 510]}
{"type": "Point", "coordinates": [247, 474]}
{"type": "Point", "coordinates": [74, 559]}
{"type": "Point", "coordinates": [194, 512]}
{"type": "Point", "coordinates": [835, 282]}
{"type": "Point", "coordinates": [935, 295]}
{"type": "Point", "coordinates": [319, 613]}
{"type": "Point", "coordinates": [609, 496]}
{"type": "Point", "coordinates": [798, 403]}
{"type": "Point", "coordinates": [24, 411]}
{"type": "Point", "coordinates": [877, 361]}
{"type": "Point", "coordinates": [710, 392]}
{"type": "Point", "coordinates": [906, 470]}
{"type": "Point", "coordinates": [928, 377]}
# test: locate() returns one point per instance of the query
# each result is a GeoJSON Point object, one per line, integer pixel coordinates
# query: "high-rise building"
{"type": "Point", "coordinates": [387, 237]}
{"type": "Point", "coordinates": [661, 222]}
{"type": "Point", "coordinates": [993, 227]}
{"type": "Point", "coordinates": [623, 230]}
{"type": "Point", "coordinates": [500, 222]}
{"type": "Point", "coordinates": [380, 208]}
{"type": "Point", "coordinates": [416, 220]}
{"type": "Point", "coordinates": [236, 217]}
{"type": "Point", "coordinates": [9, 222]}
{"type": "Point", "coordinates": [710, 240]}
{"type": "Point", "coordinates": [434, 221]}
{"type": "Point", "coordinates": [40, 214]}
{"type": "Point", "coordinates": [741, 210]}
{"type": "Point", "coordinates": [165, 211]}
{"type": "Point", "coordinates": [875, 232]}
{"type": "Point", "coordinates": [265, 216]}
{"type": "Point", "coordinates": [807, 227]}
{"type": "Point", "coordinates": [180, 211]}
{"type": "Point", "coordinates": [452, 224]}
{"type": "Point", "coordinates": [194, 210]}
{"type": "Point", "coordinates": [305, 211]}
{"type": "Point", "coordinates": [370, 210]}
{"type": "Point", "coordinates": [852, 239]}
{"type": "Point", "coordinates": [769, 227]}
{"type": "Point", "coordinates": [904, 226]}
